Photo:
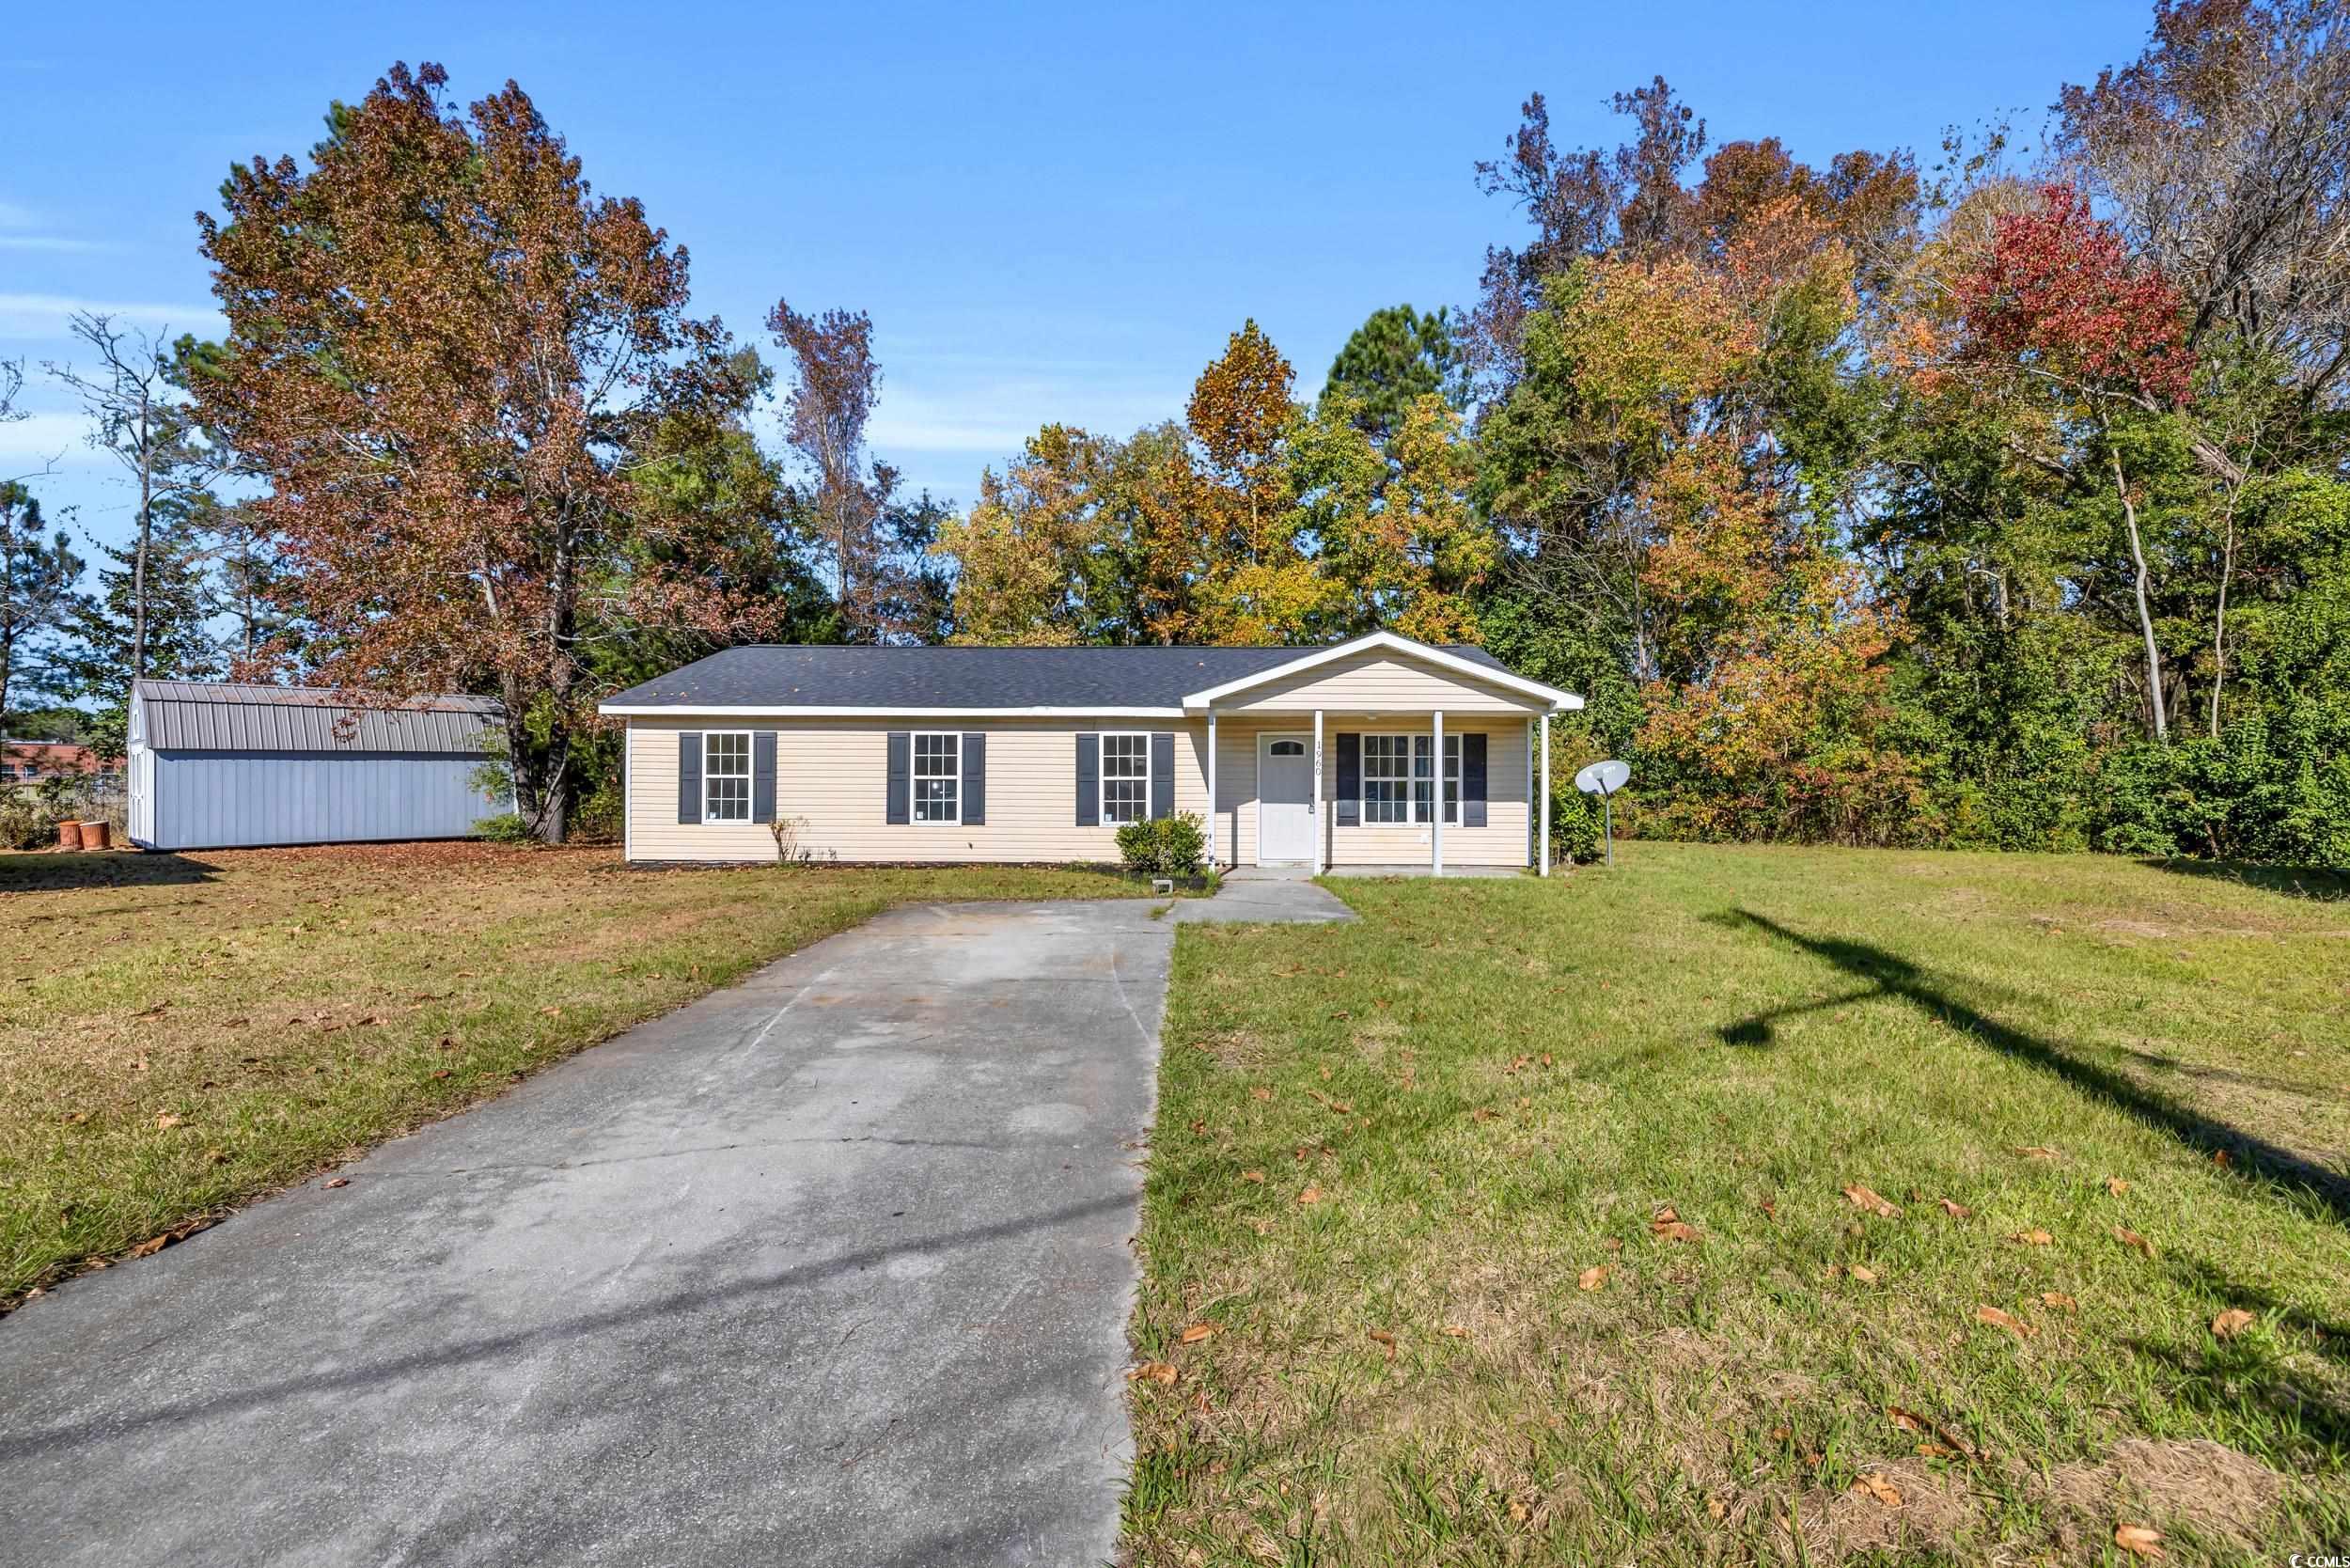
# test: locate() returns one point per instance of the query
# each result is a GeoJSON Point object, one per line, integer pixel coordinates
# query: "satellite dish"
{"type": "Point", "coordinates": [1603, 779]}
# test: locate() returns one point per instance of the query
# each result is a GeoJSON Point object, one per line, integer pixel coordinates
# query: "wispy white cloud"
{"type": "Point", "coordinates": [41, 438]}
{"type": "Point", "coordinates": [24, 228]}
{"type": "Point", "coordinates": [53, 242]}
{"type": "Point", "coordinates": [43, 318]}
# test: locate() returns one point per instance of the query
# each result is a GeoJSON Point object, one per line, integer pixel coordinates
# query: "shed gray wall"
{"type": "Point", "coordinates": [228, 800]}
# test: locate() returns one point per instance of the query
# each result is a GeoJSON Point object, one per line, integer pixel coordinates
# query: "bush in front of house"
{"type": "Point", "coordinates": [1171, 846]}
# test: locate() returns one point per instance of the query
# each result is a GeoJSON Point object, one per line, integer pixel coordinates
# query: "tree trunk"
{"type": "Point", "coordinates": [2220, 619]}
{"type": "Point", "coordinates": [138, 565]}
{"type": "Point", "coordinates": [2145, 614]}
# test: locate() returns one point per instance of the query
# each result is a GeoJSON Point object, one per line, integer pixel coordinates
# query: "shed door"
{"type": "Point", "coordinates": [1285, 800]}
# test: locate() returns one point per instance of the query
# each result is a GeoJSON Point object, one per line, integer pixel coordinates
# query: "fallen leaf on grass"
{"type": "Point", "coordinates": [1591, 1279]}
{"type": "Point", "coordinates": [1198, 1332]}
{"type": "Point", "coordinates": [2058, 1300]}
{"type": "Point", "coordinates": [2032, 1238]}
{"type": "Point", "coordinates": [1455, 1331]}
{"type": "Point", "coordinates": [1865, 1276]}
{"type": "Point", "coordinates": [149, 1248]}
{"type": "Point", "coordinates": [1382, 1337]}
{"type": "Point", "coordinates": [336, 1181]}
{"type": "Point", "coordinates": [2138, 1540]}
{"type": "Point", "coordinates": [1261, 1092]}
{"type": "Point", "coordinates": [1161, 1372]}
{"type": "Point", "coordinates": [2221, 1158]}
{"type": "Point", "coordinates": [1311, 1194]}
{"type": "Point", "coordinates": [2117, 1187]}
{"type": "Point", "coordinates": [1874, 1203]}
{"type": "Point", "coordinates": [1909, 1421]}
{"type": "Point", "coordinates": [2128, 1237]}
{"type": "Point", "coordinates": [1881, 1488]}
{"type": "Point", "coordinates": [1997, 1319]}
{"type": "Point", "coordinates": [166, 1122]}
{"type": "Point", "coordinates": [1670, 1226]}
{"type": "Point", "coordinates": [1257, 1176]}
{"type": "Point", "coordinates": [2228, 1325]}
{"type": "Point", "coordinates": [2037, 1151]}
{"type": "Point", "coordinates": [1715, 1509]}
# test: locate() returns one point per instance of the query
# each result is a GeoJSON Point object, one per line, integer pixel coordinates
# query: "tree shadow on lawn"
{"type": "Point", "coordinates": [45, 871]}
{"type": "Point", "coordinates": [2250, 1158]}
{"type": "Point", "coordinates": [2295, 881]}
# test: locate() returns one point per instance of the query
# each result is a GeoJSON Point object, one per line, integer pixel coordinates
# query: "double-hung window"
{"type": "Point", "coordinates": [1125, 777]}
{"type": "Point", "coordinates": [1423, 751]}
{"type": "Point", "coordinates": [1400, 778]}
{"type": "Point", "coordinates": [1386, 778]}
{"type": "Point", "coordinates": [726, 777]}
{"type": "Point", "coordinates": [938, 778]}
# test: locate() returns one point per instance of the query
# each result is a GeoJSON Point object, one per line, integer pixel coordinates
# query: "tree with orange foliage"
{"type": "Point", "coordinates": [447, 356]}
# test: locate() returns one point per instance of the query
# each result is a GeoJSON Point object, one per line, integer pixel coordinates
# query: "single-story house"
{"type": "Point", "coordinates": [223, 766]}
{"type": "Point", "coordinates": [1312, 757]}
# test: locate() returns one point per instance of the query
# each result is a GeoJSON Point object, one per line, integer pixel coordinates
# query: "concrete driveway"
{"type": "Point", "coordinates": [832, 1267]}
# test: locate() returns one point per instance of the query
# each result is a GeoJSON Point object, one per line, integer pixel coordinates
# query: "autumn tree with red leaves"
{"type": "Point", "coordinates": [2057, 302]}
{"type": "Point", "coordinates": [448, 355]}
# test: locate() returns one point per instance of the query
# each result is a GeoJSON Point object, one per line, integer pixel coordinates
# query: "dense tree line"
{"type": "Point", "coordinates": [1963, 504]}
{"type": "Point", "coordinates": [1959, 503]}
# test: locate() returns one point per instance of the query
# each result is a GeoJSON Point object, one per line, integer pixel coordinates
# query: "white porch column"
{"type": "Point", "coordinates": [1436, 828]}
{"type": "Point", "coordinates": [1545, 794]}
{"type": "Point", "coordinates": [1319, 865]}
{"type": "Point", "coordinates": [1213, 862]}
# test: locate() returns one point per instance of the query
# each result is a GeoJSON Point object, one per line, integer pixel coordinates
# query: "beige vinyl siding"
{"type": "Point", "coordinates": [1377, 681]}
{"type": "Point", "coordinates": [1504, 841]}
{"type": "Point", "coordinates": [832, 776]}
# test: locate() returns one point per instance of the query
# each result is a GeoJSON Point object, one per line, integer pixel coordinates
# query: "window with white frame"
{"type": "Point", "coordinates": [1386, 778]}
{"type": "Point", "coordinates": [1398, 778]}
{"type": "Point", "coordinates": [938, 778]}
{"type": "Point", "coordinates": [1125, 777]}
{"type": "Point", "coordinates": [726, 777]}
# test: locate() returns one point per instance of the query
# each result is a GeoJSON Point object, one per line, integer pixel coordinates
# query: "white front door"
{"type": "Point", "coordinates": [1285, 799]}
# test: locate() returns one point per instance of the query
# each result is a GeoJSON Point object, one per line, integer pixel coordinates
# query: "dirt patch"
{"type": "Point", "coordinates": [2200, 1483]}
{"type": "Point", "coordinates": [1933, 1511]}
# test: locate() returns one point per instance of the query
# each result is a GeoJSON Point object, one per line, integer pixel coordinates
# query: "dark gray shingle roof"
{"type": "Point", "coordinates": [933, 678]}
{"type": "Point", "coordinates": [203, 716]}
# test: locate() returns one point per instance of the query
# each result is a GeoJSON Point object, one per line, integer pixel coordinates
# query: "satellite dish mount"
{"type": "Point", "coordinates": [1604, 779]}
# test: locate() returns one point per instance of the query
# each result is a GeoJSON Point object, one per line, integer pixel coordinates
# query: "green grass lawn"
{"type": "Point", "coordinates": [1510, 1223]}
{"type": "Point", "coordinates": [178, 1033]}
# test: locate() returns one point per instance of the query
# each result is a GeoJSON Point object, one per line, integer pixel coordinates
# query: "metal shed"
{"type": "Point", "coordinates": [216, 766]}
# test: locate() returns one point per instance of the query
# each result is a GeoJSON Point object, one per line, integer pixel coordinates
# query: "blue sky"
{"type": "Point", "coordinates": [1052, 212]}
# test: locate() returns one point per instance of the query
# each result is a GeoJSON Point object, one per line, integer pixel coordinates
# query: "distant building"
{"type": "Point", "coordinates": [230, 766]}
{"type": "Point", "coordinates": [30, 761]}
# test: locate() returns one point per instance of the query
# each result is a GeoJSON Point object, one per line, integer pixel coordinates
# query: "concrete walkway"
{"type": "Point", "coordinates": [831, 1267]}
{"type": "Point", "coordinates": [1255, 894]}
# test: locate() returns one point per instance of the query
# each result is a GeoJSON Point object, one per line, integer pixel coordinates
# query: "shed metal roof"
{"type": "Point", "coordinates": [199, 715]}
{"type": "Point", "coordinates": [938, 680]}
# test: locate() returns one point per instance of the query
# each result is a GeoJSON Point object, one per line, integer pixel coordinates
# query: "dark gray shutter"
{"type": "Point", "coordinates": [689, 778]}
{"type": "Point", "coordinates": [1088, 780]}
{"type": "Point", "coordinates": [901, 777]}
{"type": "Point", "coordinates": [1162, 774]}
{"type": "Point", "coordinates": [1349, 780]}
{"type": "Point", "coordinates": [762, 775]}
{"type": "Point", "coordinates": [1473, 778]}
{"type": "Point", "coordinates": [974, 779]}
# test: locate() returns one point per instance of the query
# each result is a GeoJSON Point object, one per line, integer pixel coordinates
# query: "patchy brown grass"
{"type": "Point", "coordinates": [178, 1033]}
{"type": "Point", "coordinates": [1493, 1090]}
